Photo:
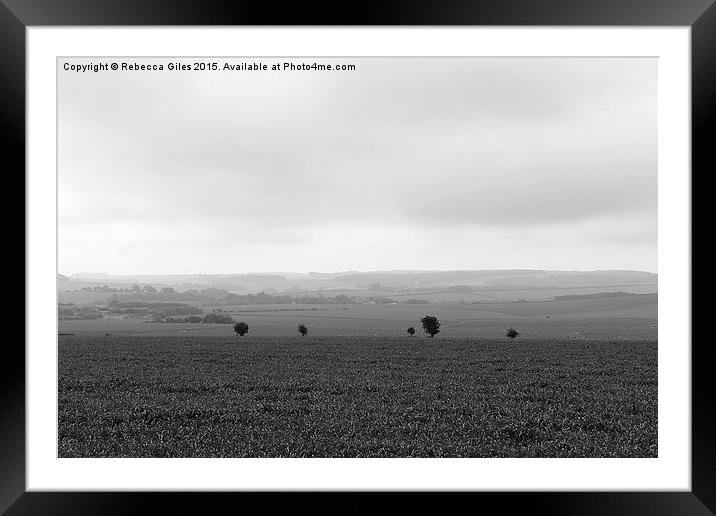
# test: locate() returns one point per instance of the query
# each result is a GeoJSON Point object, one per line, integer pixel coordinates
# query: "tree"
{"type": "Point", "coordinates": [512, 333]}
{"type": "Point", "coordinates": [218, 319]}
{"type": "Point", "coordinates": [303, 330]}
{"type": "Point", "coordinates": [166, 291]}
{"type": "Point", "coordinates": [411, 331]}
{"type": "Point", "coordinates": [241, 328]}
{"type": "Point", "coordinates": [431, 325]}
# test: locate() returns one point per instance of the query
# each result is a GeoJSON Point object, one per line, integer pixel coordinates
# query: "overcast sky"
{"type": "Point", "coordinates": [465, 163]}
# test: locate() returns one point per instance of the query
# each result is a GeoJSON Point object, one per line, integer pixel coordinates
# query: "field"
{"type": "Point", "coordinates": [623, 318]}
{"type": "Point", "coordinates": [357, 396]}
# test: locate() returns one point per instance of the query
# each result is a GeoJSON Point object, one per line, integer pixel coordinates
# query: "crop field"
{"type": "Point", "coordinates": [379, 396]}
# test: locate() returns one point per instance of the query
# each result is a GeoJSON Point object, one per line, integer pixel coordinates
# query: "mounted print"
{"type": "Point", "coordinates": [402, 252]}
{"type": "Point", "coordinates": [302, 257]}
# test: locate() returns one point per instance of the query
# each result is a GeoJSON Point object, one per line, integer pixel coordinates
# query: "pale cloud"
{"type": "Point", "coordinates": [404, 163]}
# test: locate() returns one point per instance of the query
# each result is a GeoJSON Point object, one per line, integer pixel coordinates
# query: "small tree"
{"type": "Point", "coordinates": [511, 333]}
{"type": "Point", "coordinates": [302, 329]}
{"type": "Point", "coordinates": [411, 331]}
{"type": "Point", "coordinates": [241, 328]}
{"type": "Point", "coordinates": [431, 325]}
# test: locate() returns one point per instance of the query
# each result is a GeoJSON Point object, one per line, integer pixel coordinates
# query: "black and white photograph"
{"type": "Point", "coordinates": [357, 257]}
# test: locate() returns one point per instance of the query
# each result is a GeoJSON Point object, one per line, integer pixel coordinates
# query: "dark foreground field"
{"type": "Point", "coordinates": [355, 397]}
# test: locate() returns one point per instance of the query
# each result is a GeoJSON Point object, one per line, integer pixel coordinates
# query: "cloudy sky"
{"type": "Point", "coordinates": [403, 163]}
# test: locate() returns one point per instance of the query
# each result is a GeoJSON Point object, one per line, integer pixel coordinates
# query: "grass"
{"type": "Point", "coordinates": [355, 397]}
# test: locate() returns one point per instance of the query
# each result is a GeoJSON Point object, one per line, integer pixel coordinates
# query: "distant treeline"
{"type": "Point", "coordinates": [222, 297]}
{"type": "Point", "coordinates": [598, 295]}
{"type": "Point", "coordinates": [159, 309]}
{"type": "Point", "coordinates": [157, 312]}
{"type": "Point", "coordinates": [208, 318]}
{"type": "Point", "coordinates": [104, 288]}
{"type": "Point", "coordinates": [72, 312]}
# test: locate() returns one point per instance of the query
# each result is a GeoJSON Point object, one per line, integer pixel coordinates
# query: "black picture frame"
{"type": "Point", "coordinates": [17, 15]}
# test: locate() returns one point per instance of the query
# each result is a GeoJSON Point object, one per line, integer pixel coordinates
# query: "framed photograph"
{"type": "Point", "coordinates": [411, 248]}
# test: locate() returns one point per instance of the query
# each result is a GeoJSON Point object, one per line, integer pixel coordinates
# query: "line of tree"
{"type": "Point", "coordinates": [431, 326]}
{"type": "Point", "coordinates": [222, 297]}
{"type": "Point", "coordinates": [218, 319]}
{"type": "Point", "coordinates": [190, 319]}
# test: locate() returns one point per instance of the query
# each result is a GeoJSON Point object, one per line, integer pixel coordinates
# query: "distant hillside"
{"type": "Point", "coordinates": [598, 295]}
{"type": "Point", "coordinates": [433, 286]}
{"type": "Point", "coordinates": [503, 278]}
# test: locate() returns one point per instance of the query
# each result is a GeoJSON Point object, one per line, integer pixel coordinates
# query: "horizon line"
{"type": "Point", "coordinates": [352, 271]}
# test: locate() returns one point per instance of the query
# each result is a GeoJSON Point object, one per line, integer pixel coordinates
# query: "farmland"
{"type": "Point", "coordinates": [359, 396]}
{"type": "Point", "coordinates": [623, 318]}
